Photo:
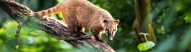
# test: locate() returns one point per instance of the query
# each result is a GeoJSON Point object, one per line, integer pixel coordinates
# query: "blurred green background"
{"type": "Point", "coordinates": [172, 27]}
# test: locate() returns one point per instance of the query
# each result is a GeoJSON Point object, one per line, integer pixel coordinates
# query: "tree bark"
{"type": "Point", "coordinates": [143, 20]}
{"type": "Point", "coordinates": [53, 27]}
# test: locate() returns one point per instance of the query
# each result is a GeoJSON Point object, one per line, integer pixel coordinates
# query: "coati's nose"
{"type": "Point", "coordinates": [110, 37]}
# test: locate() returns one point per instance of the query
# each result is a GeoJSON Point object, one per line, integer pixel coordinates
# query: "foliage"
{"type": "Point", "coordinates": [30, 40]}
{"type": "Point", "coordinates": [171, 23]}
{"type": "Point", "coordinates": [145, 45]}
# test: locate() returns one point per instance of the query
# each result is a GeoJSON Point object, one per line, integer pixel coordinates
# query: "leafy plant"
{"type": "Point", "coordinates": [145, 45]}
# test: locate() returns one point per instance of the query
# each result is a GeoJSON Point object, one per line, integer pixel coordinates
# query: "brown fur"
{"type": "Point", "coordinates": [80, 14]}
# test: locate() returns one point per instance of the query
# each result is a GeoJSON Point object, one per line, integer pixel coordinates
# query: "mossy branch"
{"type": "Point", "coordinates": [53, 27]}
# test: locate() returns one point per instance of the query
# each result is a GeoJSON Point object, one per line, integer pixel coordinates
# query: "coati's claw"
{"type": "Point", "coordinates": [82, 36]}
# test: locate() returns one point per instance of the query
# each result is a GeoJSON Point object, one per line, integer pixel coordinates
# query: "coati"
{"type": "Point", "coordinates": [80, 14]}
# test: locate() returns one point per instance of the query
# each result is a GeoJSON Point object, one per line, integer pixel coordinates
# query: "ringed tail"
{"type": "Point", "coordinates": [53, 10]}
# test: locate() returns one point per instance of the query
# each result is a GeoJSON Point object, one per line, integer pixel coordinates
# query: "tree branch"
{"type": "Point", "coordinates": [55, 28]}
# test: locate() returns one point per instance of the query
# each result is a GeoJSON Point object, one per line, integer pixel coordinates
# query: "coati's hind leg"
{"type": "Point", "coordinates": [72, 28]}
{"type": "Point", "coordinates": [71, 25]}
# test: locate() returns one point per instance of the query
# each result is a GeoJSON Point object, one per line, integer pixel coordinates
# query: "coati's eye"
{"type": "Point", "coordinates": [106, 30]}
{"type": "Point", "coordinates": [114, 29]}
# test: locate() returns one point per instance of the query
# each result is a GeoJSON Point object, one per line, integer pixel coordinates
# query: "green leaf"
{"type": "Point", "coordinates": [2, 31]}
{"type": "Point", "coordinates": [146, 45]}
{"type": "Point", "coordinates": [144, 33]}
{"type": "Point", "coordinates": [188, 17]}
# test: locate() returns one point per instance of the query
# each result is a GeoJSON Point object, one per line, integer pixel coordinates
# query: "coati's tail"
{"type": "Point", "coordinates": [53, 10]}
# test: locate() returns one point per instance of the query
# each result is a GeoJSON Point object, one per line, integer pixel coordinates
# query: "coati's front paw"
{"type": "Point", "coordinates": [99, 39]}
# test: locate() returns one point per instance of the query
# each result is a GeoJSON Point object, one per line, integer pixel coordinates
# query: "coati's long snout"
{"type": "Point", "coordinates": [110, 34]}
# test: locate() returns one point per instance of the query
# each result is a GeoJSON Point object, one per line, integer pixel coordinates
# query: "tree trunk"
{"type": "Point", "coordinates": [143, 21]}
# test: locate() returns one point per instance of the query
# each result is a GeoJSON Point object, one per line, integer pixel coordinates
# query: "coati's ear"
{"type": "Point", "coordinates": [104, 21]}
{"type": "Point", "coordinates": [117, 21]}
